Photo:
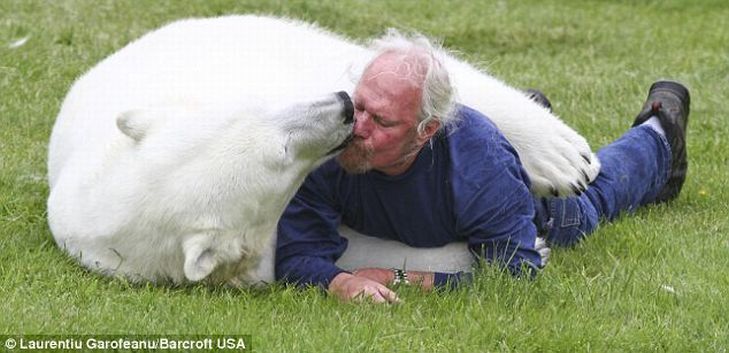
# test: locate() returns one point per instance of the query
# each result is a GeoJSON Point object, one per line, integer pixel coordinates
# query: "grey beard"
{"type": "Point", "coordinates": [354, 159]}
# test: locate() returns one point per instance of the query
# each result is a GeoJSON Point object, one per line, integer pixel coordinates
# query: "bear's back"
{"type": "Point", "coordinates": [218, 61]}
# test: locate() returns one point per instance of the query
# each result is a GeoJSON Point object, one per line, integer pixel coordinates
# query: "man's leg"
{"type": "Point", "coordinates": [643, 166]}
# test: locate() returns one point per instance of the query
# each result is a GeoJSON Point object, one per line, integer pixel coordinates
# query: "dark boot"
{"type": "Point", "coordinates": [669, 101]}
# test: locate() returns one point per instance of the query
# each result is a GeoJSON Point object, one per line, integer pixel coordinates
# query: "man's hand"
{"type": "Point", "coordinates": [379, 275]}
{"type": "Point", "coordinates": [347, 287]}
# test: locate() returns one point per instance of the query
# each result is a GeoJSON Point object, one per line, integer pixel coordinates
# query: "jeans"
{"type": "Point", "coordinates": [634, 169]}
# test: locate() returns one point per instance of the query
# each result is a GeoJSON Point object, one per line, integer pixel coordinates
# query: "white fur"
{"type": "Point", "coordinates": [174, 157]}
{"type": "Point", "coordinates": [365, 251]}
{"type": "Point", "coordinates": [167, 162]}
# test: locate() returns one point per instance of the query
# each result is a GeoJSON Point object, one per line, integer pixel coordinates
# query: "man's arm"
{"type": "Point", "coordinates": [424, 280]}
{"type": "Point", "coordinates": [309, 244]}
{"type": "Point", "coordinates": [493, 205]}
{"type": "Point", "coordinates": [498, 221]}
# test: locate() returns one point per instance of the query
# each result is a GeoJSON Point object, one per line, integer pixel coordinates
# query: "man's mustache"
{"type": "Point", "coordinates": [355, 157]}
{"type": "Point", "coordinates": [358, 143]}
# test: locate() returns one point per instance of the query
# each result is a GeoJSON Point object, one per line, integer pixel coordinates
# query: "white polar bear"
{"type": "Point", "coordinates": [174, 158]}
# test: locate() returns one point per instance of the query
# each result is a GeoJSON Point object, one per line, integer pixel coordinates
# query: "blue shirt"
{"type": "Point", "coordinates": [466, 184]}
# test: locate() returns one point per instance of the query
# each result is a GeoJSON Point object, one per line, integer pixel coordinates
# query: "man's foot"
{"type": "Point", "coordinates": [669, 102]}
{"type": "Point", "coordinates": [538, 97]}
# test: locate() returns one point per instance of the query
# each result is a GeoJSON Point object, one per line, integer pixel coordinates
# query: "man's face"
{"type": "Point", "coordinates": [386, 104]}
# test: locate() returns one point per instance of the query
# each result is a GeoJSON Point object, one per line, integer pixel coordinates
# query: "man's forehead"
{"type": "Point", "coordinates": [391, 75]}
{"type": "Point", "coordinates": [387, 91]}
{"type": "Point", "coordinates": [400, 66]}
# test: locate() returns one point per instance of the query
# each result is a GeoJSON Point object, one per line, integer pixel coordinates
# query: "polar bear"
{"type": "Point", "coordinates": [172, 159]}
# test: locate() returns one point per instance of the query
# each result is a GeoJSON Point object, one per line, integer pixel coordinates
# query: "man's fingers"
{"type": "Point", "coordinates": [369, 293]}
{"type": "Point", "coordinates": [377, 295]}
{"type": "Point", "coordinates": [389, 295]}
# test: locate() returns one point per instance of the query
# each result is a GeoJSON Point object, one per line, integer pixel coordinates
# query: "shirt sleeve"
{"type": "Point", "coordinates": [442, 280]}
{"type": "Point", "coordinates": [495, 209]}
{"type": "Point", "coordinates": [498, 221]}
{"type": "Point", "coordinates": [308, 243]}
{"type": "Point", "coordinates": [501, 235]}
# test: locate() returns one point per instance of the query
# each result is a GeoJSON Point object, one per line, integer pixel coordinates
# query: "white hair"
{"type": "Point", "coordinates": [438, 94]}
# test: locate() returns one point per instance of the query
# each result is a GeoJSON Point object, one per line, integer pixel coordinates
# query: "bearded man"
{"type": "Point", "coordinates": [425, 171]}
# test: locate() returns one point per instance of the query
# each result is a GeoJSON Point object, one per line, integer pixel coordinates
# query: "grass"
{"type": "Point", "coordinates": [655, 281]}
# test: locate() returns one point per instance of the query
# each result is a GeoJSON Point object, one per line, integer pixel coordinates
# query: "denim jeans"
{"type": "Point", "coordinates": [634, 169]}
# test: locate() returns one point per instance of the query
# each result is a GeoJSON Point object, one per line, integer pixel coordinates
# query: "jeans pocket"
{"type": "Point", "coordinates": [570, 213]}
{"type": "Point", "coordinates": [568, 219]}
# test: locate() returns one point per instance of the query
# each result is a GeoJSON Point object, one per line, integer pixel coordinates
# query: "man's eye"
{"type": "Point", "coordinates": [383, 122]}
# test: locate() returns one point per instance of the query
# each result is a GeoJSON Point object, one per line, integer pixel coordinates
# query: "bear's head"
{"type": "Point", "coordinates": [215, 180]}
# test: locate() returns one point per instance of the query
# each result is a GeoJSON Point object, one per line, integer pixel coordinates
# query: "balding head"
{"type": "Point", "coordinates": [402, 99]}
{"type": "Point", "coordinates": [396, 78]}
{"type": "Point", "coordinates": [422, 62]}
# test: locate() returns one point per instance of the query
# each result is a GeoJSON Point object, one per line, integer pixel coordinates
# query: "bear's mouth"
{"type": "Point", "coordinates": [342, 145]}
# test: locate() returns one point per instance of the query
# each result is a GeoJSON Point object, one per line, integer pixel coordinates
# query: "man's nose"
{"type": "Point", "coordinates": [362, 124]}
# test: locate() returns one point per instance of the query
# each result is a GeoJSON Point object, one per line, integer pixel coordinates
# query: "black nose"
{"type": "Point", "coordinates": [348, 107]}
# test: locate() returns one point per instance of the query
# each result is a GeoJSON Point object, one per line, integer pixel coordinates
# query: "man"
{"type": "Point", "coordinates": [426, 172]}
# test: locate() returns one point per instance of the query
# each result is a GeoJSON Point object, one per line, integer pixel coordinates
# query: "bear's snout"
{"type": "Point", "coordinates": [348, 107]}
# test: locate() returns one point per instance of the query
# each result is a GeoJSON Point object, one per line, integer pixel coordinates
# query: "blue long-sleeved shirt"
{"type": "Point", "coordinates": [467, 184]}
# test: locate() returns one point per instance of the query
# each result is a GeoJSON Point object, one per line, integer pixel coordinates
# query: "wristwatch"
{"type": "Point", "coordinates": [400, 276]}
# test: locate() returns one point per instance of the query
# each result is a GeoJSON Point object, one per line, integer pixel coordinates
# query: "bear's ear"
{"type": "Point", "coordinates": [200, 259]}
{"type": "Point", "coordinates": [134, 123]}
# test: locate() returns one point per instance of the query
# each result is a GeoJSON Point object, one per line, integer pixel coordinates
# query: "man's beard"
{"type": "Point", "coordinates": [355, 158]}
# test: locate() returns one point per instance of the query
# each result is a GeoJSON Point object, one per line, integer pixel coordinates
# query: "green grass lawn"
{"type": "Point", "coordinates": [655, 281]}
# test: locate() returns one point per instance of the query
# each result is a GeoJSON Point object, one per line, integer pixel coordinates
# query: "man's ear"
{"type": "Point", "coordinates": [200, 259]}
{"type": "Point", "coordinates": [430, 129]}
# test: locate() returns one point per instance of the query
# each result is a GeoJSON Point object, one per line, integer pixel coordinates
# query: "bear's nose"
{"type": "Point", "coordinates": [348, 107]}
